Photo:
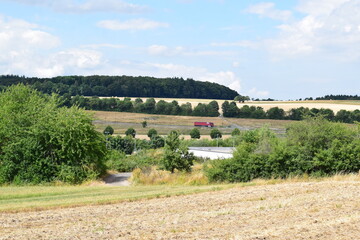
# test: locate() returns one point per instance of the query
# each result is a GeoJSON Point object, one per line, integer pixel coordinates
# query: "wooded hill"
{"type": "Point", "coordinates": [124, 86]}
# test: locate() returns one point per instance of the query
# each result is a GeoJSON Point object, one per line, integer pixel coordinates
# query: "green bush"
{"type": "Point", "coordinates": [130, 132]}
{"type": "Point", "coordinates": [215, 133]}
{"type": "Point", "coordinates": [195, 133]}
{"type": "Point", "coordinates": [315, 147]}
{"type": "Point", "coordinates": [121, 162]}
{"type": "Point", "coordinates": [40, 142]}
{"type": "Point", "coordinates": [176, 155]}
{"type": "Point", "coordinates": [152, 133]}
{"type": "Point", "coordinates": [108, 130]}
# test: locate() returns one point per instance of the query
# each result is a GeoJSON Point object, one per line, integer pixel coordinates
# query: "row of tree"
{"type": "Point", "coordinates": [339, 97]}
{"type": "Point", "coordinates": [123, 86]}
{"type": "Point", "coordinates": [230, 109]}
{"type": "Point", "coordinates": [150, 106]}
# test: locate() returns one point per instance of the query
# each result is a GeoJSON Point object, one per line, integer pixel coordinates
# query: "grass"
{"type": "Point", "coordinates": [35, 198]}
{"type": "Point", "coordinates": [121, 121]}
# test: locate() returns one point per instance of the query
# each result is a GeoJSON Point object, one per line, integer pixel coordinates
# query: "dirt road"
{"type": "Point", "coordinates": [315, 210]}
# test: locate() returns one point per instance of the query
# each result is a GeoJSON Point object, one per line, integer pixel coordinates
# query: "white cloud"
{"type": "Point", "coordinates": [226, 78]}
{"type": "Point", "coordinates": [329, 27]}
{"type": "Point", "coordinates": [267, 9]}
{"type": "Point", "coordinates": [22, 44]}
{"type": "Point", "coordinates": [134, 24]}
{"type": "Point", "coordinates": [162, 50]}
{"type": "Point", "coordinates": [104, 45]}
{"type": "Point", "coordinates": [254, 93]}
{"type": "Point", "coordinates": [319, 7]}
{"type": "Point", "coordinates": [28, 50]}
{"type": "Point", "coordinates": [72, 6]}
{"type": "Point", "coordinates": [78, 58]}
{"type": "Point", "coordinates": [243, 44]}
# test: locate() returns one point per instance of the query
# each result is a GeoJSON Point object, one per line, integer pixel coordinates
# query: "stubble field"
{"type": "Point", "coordinates": [291, 210]}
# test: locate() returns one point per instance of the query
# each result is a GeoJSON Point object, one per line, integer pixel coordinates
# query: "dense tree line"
{"type": "Point", "coordinates": [150, 106]}
{"type": "Point", "coordinates": [313, 147]}
{"type": "Point", "coordinates": [339, 97]}
{"type": "Point", "coordinates": [128, 86]}
{"type": "Point", "coordinates": [230, 109]}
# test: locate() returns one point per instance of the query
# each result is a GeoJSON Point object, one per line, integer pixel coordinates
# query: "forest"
{"type": "Point", "coordinates": [124, 86]}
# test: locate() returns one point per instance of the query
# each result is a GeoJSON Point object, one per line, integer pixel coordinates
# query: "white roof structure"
{"type": "Point", "coordinates": [212, 152]}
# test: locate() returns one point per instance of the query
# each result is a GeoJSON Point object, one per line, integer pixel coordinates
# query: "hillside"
{"type": "Point", "coordinates": [292, 210]}
{"type": "Point", "coordinates": [124, 86]}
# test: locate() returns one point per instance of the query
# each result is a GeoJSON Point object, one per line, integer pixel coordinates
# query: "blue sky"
{"type": "Point", "coordinates": [279, 49]}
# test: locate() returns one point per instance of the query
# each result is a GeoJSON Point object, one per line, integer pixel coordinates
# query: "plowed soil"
{"type": "Point", "coordinates": [307, 210]}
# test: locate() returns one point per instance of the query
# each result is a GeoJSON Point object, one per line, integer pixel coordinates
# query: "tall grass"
{"type": "Point", "coordinates": [154, 176]}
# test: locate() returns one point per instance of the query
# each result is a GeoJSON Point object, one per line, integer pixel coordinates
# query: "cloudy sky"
{"type": "Point", "coordinates": [279, 49]}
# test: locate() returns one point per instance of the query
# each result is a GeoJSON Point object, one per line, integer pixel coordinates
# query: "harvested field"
{"type": "Point", "coordinates": [291, 210]}
{"type": "Point", "coordinates": [121, 121]}
{"type": "Point", "coordinates": [334, 105]}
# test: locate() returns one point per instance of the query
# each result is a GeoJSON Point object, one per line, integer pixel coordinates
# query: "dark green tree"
{"type": "Point", "coordinates": [130, 132]}
{"type": "Point", "coordinates": [195, 133]}
{"type": "Point", "coordinates": [108, 130]}
{"type": "Point", "coordinates": [215, 133]}
{"type": "Point", "coordinates": [275, 113]}
{"type": "Point", "coordinates": [176, 155]}
{"type": "Point", "coordinates": [235, 132]}
{"type": "Point", "coordinates": [152, 133]}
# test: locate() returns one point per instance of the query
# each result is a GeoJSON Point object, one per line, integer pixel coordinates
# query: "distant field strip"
{"type": "Point", "coordinates": [30, 198]}
{"type": "Point", "coordinates": [335, 105]}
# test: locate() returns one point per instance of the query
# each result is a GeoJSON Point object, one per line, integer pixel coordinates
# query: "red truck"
{"type": "Point", "coordinates": [204, 124]}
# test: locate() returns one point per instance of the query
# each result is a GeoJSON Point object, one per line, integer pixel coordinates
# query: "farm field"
{"type": "Point", "coordinates": [121, 121]}
{"type": "Point", "coordinates": [334, 105]}
{"type": "Point", "coordinates": [328, 209]}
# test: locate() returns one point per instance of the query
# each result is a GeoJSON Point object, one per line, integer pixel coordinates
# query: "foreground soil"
{"type": "Point", "coordinates": [307, 210]}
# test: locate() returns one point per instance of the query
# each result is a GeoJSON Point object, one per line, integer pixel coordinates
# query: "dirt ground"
{"type": "Point", "coordinates": [307, 210]}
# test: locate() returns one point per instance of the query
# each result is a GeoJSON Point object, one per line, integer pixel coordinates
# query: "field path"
{"type": "Point", "coordinates": [313, 210]}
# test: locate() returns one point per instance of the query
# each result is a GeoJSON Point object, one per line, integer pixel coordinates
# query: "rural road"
{"type": "Point", "coordinates": [119, 179]}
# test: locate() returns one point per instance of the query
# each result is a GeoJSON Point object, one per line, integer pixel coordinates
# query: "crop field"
{"type": "Point", "coordinates": [121, 121]}
{"type": "Point", "coordinates": [328, 209]}
{"type": "Point", "coordinates": [334, 105]}
{"type": "Point", "coordinates": [35, 198]}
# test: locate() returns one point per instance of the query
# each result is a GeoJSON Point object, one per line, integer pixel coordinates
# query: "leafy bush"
{"type": "Point", "coordinates": [108, 130]}
{"type": "Point", "coordinates": [130, 132]}
{"type": "Point", "coordinates": [176, 154]}
{"type": "Point", "coordinates": [126, 163]}
{"type": "Point", "coordinates": [235, 132]}
{"type": "Point", "coordinates": [315, 147]}
{"type": "Point", "coordinates": [195, 133]}
{"type": "Point", "coordinates": [40, 142]}
{"type": "Point", "coordinates": [215, 133]}
{"type": "Point", "coordinates": [152, 133]}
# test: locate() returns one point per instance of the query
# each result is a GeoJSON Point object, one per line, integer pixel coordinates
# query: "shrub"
{"type": "Point", "coordinates": [314, 147]}
{"type": "Point", "coordinates": [130, 132]}
{"type": "Point", "coordinates": [108, 130]}
{"type": "Point", "coordinates": [176, 154]}
{"type": "Point", "coordinates": [195, 133]}
{"type": "Point", "coordinates": [40, 142]}
{"type": "Point", "coordinates": [215, 133]}
{"type": "Point", "coordinates": [152, 133]}
{"type": "Point", "coordinates": [120, 162]}
{"type": "Point", "coordinates": [235, 132]}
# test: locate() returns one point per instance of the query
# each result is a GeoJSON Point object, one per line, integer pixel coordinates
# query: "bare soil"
{"type": "Point", "coordinates": [295, 210]}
